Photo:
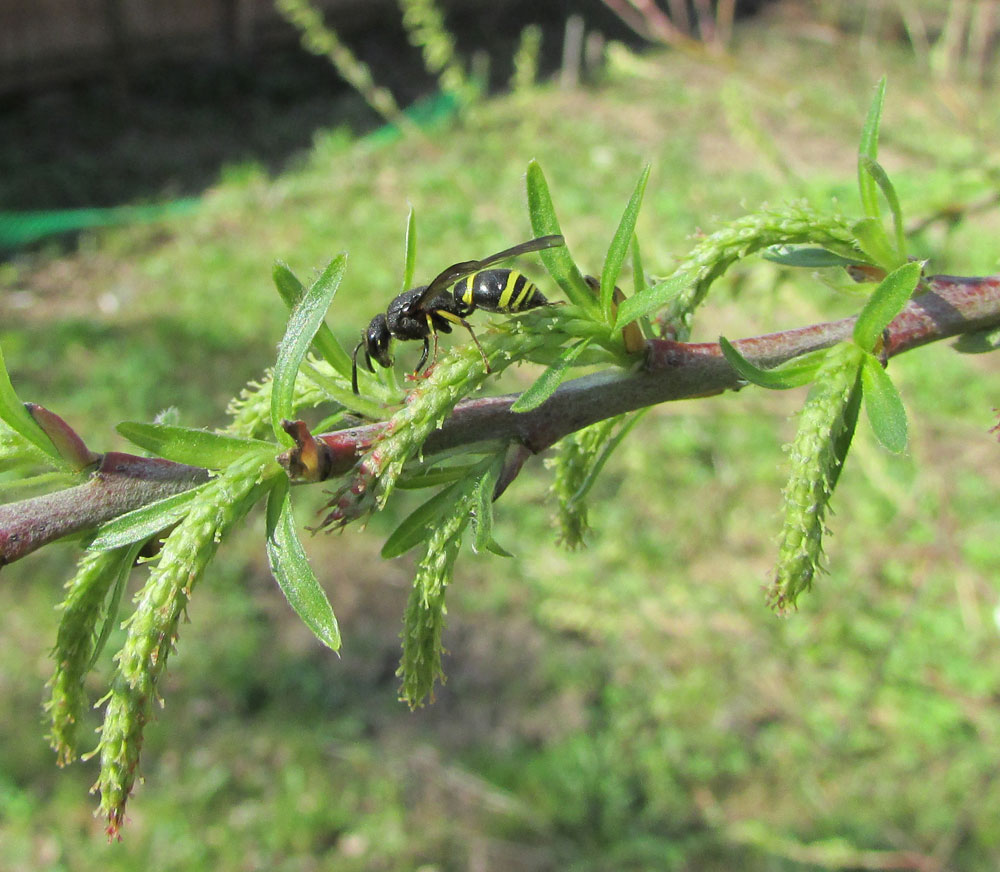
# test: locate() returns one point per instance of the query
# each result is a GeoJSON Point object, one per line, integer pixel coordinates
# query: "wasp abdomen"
{"type": "Point", "coordinates": [499, 290]}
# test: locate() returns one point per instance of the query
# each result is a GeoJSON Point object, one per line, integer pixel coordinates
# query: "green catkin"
{"type": "Point", "coordinates": [574, 460]}
{"type": "Point", "coordinates": [815, 465]}
{"type": "Point", "coordinates": [81, 611]}
{"type": "Point", "coordinates": [251, 410]}
{"type": "Point", "coordinates": [713, 255]}
{"type": "Point", "coordinates": [526, 59]}
{"type": "Point", "coordinates": [152, 629]}
{"type": "Point", "coordinates": [453, 378]}
{"type": "Point", "coordinates": [427, 31]}
{"type": "Point", "coordinates": [424, 622]}
{"type": "Point", "coordinates": [319, 39]}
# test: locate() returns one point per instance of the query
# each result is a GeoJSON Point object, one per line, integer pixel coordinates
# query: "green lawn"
{"type": "Point", "coordinates": [633, 705]}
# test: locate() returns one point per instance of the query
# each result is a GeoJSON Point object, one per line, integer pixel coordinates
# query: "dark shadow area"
{"type": "Point", "coordinates": [178, 123]}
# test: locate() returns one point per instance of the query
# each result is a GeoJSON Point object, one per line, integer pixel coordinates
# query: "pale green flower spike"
{"type": "Point", "coordinates": [796, 223]}
{"type": "Point", "coordinates": [73, 653]}
{"type": "Point", "coordinates": [816, 455]}
{"type": "Point", "coordinates": [152, 628]}
{"type": "Point", "coordinates": [424, 621]}
{"type": "Point", "coordinates": [251, 411]}
{"type": "Point", "coordinates": [454, 377]}
{"type": "Point", "coordinates": [579, 457]}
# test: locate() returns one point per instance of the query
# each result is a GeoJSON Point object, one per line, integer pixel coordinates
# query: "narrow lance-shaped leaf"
{"type": "Point", "coordinates": [638, 273]}
{"type": "Point", "coordinates": [188, 445]}
{"type": "Point", "coordinates": [437, 476]}
{"type": "Point", "coordinates": [483, 511]}
{"type": "Point", "coordinates": [618, 249]}
{"type": "Point", "coordinates": [140, 524]}
{"type": "Point", "coordinates": [292, 571]}
{"type": "Point", "coordinates": [291, 291]}
{"type": "Point", "coordinates": [639, 285]}
{"type": "Point", "coordinates": [868, 147]}
{"type": "Point", "coordinates": [883, 405]}
{"type": "Point", "coordinates": [791, 374]}
{"type": "Point", "coordinates": [558, 261]}
{"type": "Point", "coordinates": [885, 303]}
{"type": "Point", "coordinates": [806, 257]}
{"type": "Point", "coordinates": [607, 449]}
{"type": "Point", "coordinates": [342, 393]}
{"type": "Point", "coordinates": [15, 416]}
{"type": "Point", "coordinates": [652, 299]}
{"type": "Point", "coordinates": [881, 177]}
{"type": "Point", "coordinates": [979, 342]}
{"type": "Point", "coordinates": [546, 384]}
{"type": "Point", "coordinates": [414, 528]}
{"type": "Point", "coordinates": [873, 241]}
{"type": "Point", "coordinates": [410, 253]}
{"type": "Point", "coordinates": [842, 443]}
{"type": "Point", "coordinates": [305, 320]}
{"type": "Point", "coordinates": [129, 556]}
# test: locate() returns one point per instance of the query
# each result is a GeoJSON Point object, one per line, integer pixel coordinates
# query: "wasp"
{"type": "Point", "coordinates": [449, 299]}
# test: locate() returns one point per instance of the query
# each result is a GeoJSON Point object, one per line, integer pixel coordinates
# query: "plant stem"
{"type": "Point", "coordinates": [953, 305]}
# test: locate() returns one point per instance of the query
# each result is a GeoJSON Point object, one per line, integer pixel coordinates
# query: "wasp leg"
{"type": "Point", "coordinates": [458, 319]}
{"type": "Point", "coordinates": [467, 326]}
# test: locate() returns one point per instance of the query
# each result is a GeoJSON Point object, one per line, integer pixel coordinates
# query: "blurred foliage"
{"type": "Point", "coordinates": [626, 706]}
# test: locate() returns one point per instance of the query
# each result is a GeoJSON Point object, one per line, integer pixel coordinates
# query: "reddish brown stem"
{"type": "Point", "coordinates": [121, 483]}
{"type": "Point", "coordinates": [953, 305]}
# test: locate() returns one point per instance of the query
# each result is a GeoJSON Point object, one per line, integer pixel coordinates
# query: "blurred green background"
{"type": "Point", "coordinates": [630, 706]}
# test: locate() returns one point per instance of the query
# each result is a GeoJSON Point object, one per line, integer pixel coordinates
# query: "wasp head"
{"type": "Point", "coordinates": [376, 341]}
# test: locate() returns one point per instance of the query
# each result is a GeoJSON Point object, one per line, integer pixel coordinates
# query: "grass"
{"type": "Point", "coordinates": [631, 706]}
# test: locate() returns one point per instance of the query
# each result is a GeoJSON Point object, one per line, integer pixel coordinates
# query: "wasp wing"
{"type": "Point", "coordinates": [458, 271]}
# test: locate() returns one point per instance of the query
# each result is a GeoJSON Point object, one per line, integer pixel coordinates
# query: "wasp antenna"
{"type": "Point", "coordinates": [354, 368]}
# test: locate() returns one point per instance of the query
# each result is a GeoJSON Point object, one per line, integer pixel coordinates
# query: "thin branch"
{"type": "Point", "coordinates": [672, 371]}
{"type": "Point", "coordinates": [121, 483]}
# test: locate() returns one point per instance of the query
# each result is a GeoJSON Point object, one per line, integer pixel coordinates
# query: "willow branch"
{"type": "Point", "coordinates": [672, 371]}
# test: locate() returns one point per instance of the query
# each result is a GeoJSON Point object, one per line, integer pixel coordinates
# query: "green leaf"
{"type": "Point", "coordinates": [846, 436]}
{"type": "Point", "coordinates": [128, 558]}
{"type": "Point", "coordinates": [292, 291]}
{"type": "Point", "coordinates": [290, 568]}
{"type": "Point", "coordinates": [340, 392]}
{"type": "Point", "coordinates": [979, 342]}
{"type": "Point", "coordinates": [482, 508]}
{"type": "Point", "coordinates": [188, 445]}
{"type": "Point", "coordinates": [807, 257]}
{"type": "Point", "coordinates": [791, 374]}
{"type": "Point", "coordinates": [498, 549]}
{"type": "Point", "coordinates": [618, 249]}
{"type": "Point", "coordinates": [15, 416]}
{"type": "Point", "coordinates": [885, 303]}
{"type": "Point", "coordinates": [416, 527]}
{"type": "Point", "coordinates": [652, 299]}
{"type": "Point", "coordinates": [545, 385]}
{"type": "Point", "coordinates": [140, 524]}
{"type": "Point", "coordinates": [558, 261]}
{"type": "Point", "coordinates": [410, 256]}
{"type": "Point", "coordinates": [437, 476]}
{"type": "Point", "coordinates": [885, 409]}
{"type": "Point", "coordinates": [305, 320]}
{"type": "Point", "coordinates": [881, 177]}
{"type": "Point", "coordinates": [638, 273]}
{"type": "Point", "coordinates": [868, 147]}
{"type": "Point", "coordinates": [608, 448]}
{"type": "Point", "coordinates": [873, 241]}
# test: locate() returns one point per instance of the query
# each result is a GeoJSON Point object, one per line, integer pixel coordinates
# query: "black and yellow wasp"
{"type": "Point", "coordinates": [450, 298]}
